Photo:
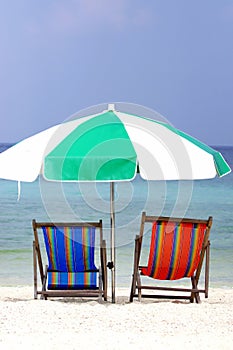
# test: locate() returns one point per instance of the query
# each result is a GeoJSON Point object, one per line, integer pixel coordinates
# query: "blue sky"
{"type": "Point", "coordinates": [175, 57]}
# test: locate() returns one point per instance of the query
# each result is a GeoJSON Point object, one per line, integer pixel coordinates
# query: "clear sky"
{"type": "Point", "coordinates": [174, 56]}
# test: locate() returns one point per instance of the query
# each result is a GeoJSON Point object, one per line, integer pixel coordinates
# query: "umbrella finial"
{"type": "Point", "coordinates": [111, 107]}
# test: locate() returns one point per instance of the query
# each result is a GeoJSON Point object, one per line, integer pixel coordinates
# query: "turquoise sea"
{"type": "Point", "coordinates": [74, 202]}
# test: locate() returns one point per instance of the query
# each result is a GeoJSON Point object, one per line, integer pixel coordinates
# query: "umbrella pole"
{"type": "Point", "coordinates": [112, 212]}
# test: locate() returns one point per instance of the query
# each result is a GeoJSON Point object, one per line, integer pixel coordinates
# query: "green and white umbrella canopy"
{"type": "Point", "coordinates": [111, 146]}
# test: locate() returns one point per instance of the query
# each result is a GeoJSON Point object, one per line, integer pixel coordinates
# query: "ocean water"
{"type": "Point", "coordinates": [77, 202]}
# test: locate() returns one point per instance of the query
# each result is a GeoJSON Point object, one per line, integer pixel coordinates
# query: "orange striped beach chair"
{"type": "Point", "coordinates": [70, 270]}
{"type": "Point", "coordinates": [177, 251]}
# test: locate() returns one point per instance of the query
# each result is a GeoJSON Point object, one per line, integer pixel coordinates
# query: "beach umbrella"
{"type": "Point", "coordinates": [111, 146]}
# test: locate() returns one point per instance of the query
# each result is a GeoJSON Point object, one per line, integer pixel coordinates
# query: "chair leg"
{"type": "Point", "coordinates": [195, 294]}
{"type": "Point", "coordinates": [133, 288]}
{"type": "Point", "coordinates": [100, 284]}
{"type": "Point", "coordinates": [135, 269]}
{"type": "Point", "coordinates": [35, 270]}
{"type": "Point", "coordinates": [44, 283]}
{"type": "Point", "coordinates": [139, 286]}
{"type": "Point", "coordinates": [104, 269]}
{"type": "Point", "coordinates": [207, 270]}
{"type": "Point", "coordinates": [105, 288]}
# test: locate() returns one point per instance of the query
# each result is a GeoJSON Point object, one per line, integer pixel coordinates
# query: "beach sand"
{"type": "Point", "coordinates": [89, 324]}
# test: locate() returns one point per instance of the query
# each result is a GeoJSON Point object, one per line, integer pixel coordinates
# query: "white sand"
{"type": "Point", "coordinates": [73, 324]}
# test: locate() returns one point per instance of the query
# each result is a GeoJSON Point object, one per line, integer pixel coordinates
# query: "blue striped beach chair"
{"type": "Point", "coordinates": [178, 248]}
{"type": "Point", "coordinates": [70, 270]}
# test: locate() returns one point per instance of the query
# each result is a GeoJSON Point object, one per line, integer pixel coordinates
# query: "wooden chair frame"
{"type": "Point", "coordinates": [193, 292]}
{"type": "Point", "coordinates": [101, 292]}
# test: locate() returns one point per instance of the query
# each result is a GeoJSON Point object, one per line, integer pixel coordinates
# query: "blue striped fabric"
{"type": "Point", "coordinates": [70, 249]}
{"type": "Point", "coordinates": [72, 280]}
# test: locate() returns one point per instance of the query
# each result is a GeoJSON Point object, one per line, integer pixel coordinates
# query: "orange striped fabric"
{"type": "Point", "coordinates": [175, 250]}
